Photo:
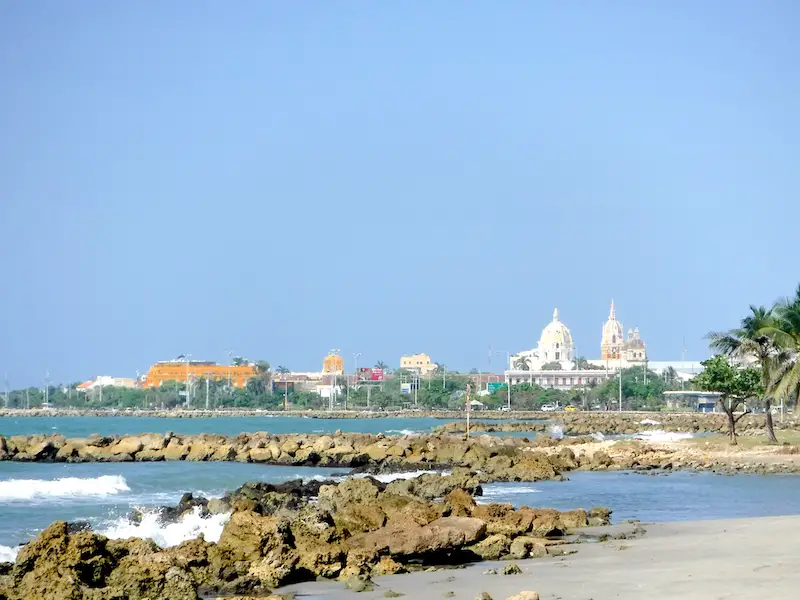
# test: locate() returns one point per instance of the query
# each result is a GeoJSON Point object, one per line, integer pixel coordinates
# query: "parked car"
{"type": "Point", "coordinates": [549, 407]}
{"type": "Point", "coordinates": [571, 409]}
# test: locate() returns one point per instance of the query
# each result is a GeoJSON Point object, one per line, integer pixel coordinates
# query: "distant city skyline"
{"type": "Point", "coordinates": [279, 179]}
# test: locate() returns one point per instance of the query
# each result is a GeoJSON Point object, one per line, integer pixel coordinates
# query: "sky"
{"type": "Point", "coordinates": [279, 179]}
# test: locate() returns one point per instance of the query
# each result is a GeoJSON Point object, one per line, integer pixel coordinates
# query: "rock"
{"type": "Point", "coordinates": [490, 572]}
{"type": "Point", "coordinates": [524, 595]}
{"type": "Point", "coordinates": [260, 454]}
{"type": "Point", "coordinates": [483, 596]}
{"type": "Point", "coordinates": [387, 566]}
{"type": "Point", "coordinates": [217, 506]}
{"type": "Point", "coordinates": [322, 443]}
{"type": "Point", "coordinates": [392, 594]}
{"type": "Point", "coordinates": [601, 459]}
{"type": "Point", "coordinates": [359, 584]}
{"type": "Point", "coordinates": [290, 447]}
{"type": "Point", "coordinates": [573, 518]}
{"type": "Point", "coordinates": [127, 445]}
{"type": "Point", "coordinates": [459, 503]}
{"type": "Point", "coordinates": [491, 548]}
{"type": "Point", "coordinates": [511, 569]}
{"type": "Point", "coordinates": [527, 547]}
{"type": "Point", "coordinates": [599, 516]}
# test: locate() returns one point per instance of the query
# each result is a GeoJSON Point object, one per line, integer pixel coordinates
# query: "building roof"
{"type": "Point", "coordinates": [555, 333]}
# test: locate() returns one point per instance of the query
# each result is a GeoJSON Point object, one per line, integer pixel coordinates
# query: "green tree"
{"type": "Point", "coordinates": [282, 370]}
{"type": "Point", "coordinates": [736, 385]}
{"type": "Point", "coordinates": [381, 365]}
{"type": "Point", "coordinates": [552, 366]}
{"type": "Point", "coordinates": [522, 363]}
{"type": "Point", "coordinates": [753, 340]}
{"type": "Point", "coordinates": [239, 361]}
{"type": "Point", "coordinates": [786, 336]}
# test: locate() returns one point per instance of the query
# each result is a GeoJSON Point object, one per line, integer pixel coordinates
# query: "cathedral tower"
{"type": "Point", "coordinates": [613, 338]}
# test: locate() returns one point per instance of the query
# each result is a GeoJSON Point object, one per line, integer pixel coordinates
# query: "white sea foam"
{"type": "Point", "coordinates": [27, 489]}
{"type": "Point", "coordinates": [8, 554]}
{"type": "Point", "coordinates": [598, 437]}
{"type": "Point", "coordinates": [402, 431]}
{"type": "Point", "coordinates": [659, 435]}
{"type": "Point", "coordinates": [556, 431]}
{"type": "Point", "coordinates": [188, 527]}
{"type": "Point", "coordinates": [389, 477]}
{"type": "Point", "coordinates": [504, 493]}
{"type": "Point", "coordinates": [649, 422]}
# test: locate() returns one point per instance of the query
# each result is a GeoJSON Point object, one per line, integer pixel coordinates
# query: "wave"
{"type": "Point", "coordinates": [649, 422]}
{"type": "Point", "coordinates": [27, 489]}
{"type": "Point", "coordinates": [8, 554]}
{"type": "Point", "coordinates": [659, 435]}
{"type": "Point", "coordinates": [389, 477]}
{"type": "Point", "coordinates": [402, 431]}
{"type": "Point", "coordinates": [188, 527]}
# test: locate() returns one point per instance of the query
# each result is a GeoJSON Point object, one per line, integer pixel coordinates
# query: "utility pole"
{"type": "Point", "coordinates": [468, 408]}
{"type": "Point", "coordinates": [620, 386]}
{"type": "Point", "coordinates": [208, 385]}
{"type": "Point", "coordinates": [188, 387]}
{"type": "Point", "coordinates": [416, 385]}
{"type": "Point", "coordinates": [28, 398]}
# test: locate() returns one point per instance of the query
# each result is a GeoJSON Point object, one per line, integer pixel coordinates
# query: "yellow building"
{"type": "Point", "coordinates": [418, 362]}
{"type": "Point", "coordinates": [333, 364]}
{"type": "Point", "coordinates": [614, 345]}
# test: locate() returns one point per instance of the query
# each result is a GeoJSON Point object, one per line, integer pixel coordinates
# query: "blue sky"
{"type": "Point", "coordinates": [283, 178]}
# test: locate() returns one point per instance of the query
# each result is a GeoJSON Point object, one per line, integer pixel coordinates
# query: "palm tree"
{"type": "Point", "coordinates": [523, 363]}
{"type": "Point", "coordinates": [753, 340]}
{"type": "Point", "coordinates": [281, 370]}
{"type": "Point", "coordinates": [786, 336]}
{"type": "Point", "coordinates": [381, 365]}
{"type": "Point", "coordinates": [670, 375]}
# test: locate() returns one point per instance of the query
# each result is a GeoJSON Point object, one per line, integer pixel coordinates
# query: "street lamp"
{"type": "Point", "coordinates": [334, 352]}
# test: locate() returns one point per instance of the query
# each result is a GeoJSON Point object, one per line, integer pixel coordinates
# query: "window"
{"type": "Point", "coordinates": [558, 354]}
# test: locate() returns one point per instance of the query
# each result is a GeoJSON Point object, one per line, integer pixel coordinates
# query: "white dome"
{"type": "Point", "coordinates": [555, 344]}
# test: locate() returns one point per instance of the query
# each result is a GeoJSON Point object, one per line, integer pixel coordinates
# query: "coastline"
{"type": "Point", "coordinates": [736, 559]}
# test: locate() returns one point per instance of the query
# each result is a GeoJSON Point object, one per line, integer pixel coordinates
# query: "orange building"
{"type": "Point", "coordinates": [180, 370]}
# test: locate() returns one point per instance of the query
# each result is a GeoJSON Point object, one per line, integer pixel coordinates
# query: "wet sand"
{"type": "Point", "coordinates": [699, 560]}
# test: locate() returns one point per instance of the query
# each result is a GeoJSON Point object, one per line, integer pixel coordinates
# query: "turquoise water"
{"type": "Point", "coordinates": [34, 495]}
{"type": "Point", "coordinates": [679, 496]}
{"type": "Point", "coordinates": [85, 426]}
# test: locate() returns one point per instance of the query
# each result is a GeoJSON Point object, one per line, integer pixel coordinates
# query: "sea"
{"type": "Point", "coordinates": [231, 426]}
{"type": "Point", "coordinates": [33, 495]}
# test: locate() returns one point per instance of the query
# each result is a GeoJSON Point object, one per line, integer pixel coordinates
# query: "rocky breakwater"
{"type": "Point", "coordinates": [497, 459]}
{"type": "Point", "coordinates": [356, 529]}
{"type": "Point", "coordinates": [612, 423]}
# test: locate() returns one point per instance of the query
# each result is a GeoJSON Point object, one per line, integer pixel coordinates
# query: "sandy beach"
{"type": "Point", "coordinates": [699, 560]}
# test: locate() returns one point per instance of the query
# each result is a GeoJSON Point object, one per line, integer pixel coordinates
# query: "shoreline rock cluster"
{"type": "Point", "coordinates": [275, 535]}
{"type": "Point", "coordinates": [483, 457]}
{"type": "Point", "coordinates": [587, 423]}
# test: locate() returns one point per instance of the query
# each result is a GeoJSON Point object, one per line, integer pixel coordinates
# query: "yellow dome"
{"type": "Point", "coordinates": [333, 363]}
{"type": "Point", "coordinates": [556, 335]}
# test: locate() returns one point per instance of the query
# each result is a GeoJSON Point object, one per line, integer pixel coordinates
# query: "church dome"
{"type": "Point", "coordinates": [556, 341]}
{"type": "Point", "coordinates": [613, 336]}
{"type": "Point", "coordinates": [556, 333]}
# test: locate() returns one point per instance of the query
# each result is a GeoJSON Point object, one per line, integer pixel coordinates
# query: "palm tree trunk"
{"type": "Point", "coordinates": [770, 426]}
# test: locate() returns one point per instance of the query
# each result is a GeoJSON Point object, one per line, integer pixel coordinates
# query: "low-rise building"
{"type": "Point", "coordinates": [418, 362]}
{"type": "Point", "coordinates": [182, 370]}
{"type": "Point", "coordinates": [107, 381]}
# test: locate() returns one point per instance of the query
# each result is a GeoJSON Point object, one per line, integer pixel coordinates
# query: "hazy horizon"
{"type": "Point", "coordinates": [280, 179]}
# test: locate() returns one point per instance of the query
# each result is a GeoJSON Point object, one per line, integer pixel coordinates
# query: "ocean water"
{"type": "Point", "coordinates": [680, 496]}
{"type": "Point", "coordinates": [34, 495]}
{"type": "Point", "coordinates": [85, 426]}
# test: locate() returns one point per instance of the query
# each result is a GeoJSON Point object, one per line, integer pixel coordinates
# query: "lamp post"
{"type": "Point", "coordinates": [331, 399]}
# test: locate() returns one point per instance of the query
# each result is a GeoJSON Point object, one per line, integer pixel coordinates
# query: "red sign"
{"type": "Point", "coordinates": [376, 375]}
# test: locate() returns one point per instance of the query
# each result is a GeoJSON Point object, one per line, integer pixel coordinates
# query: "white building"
{"type": "Point", "coordinates": [552, 363]}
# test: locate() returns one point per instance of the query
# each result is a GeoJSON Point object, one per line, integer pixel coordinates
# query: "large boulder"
{"type": "Point", "coordinates": [491, 548]}
{"type": "Point", "coordinates": [527, 547]}
{"type": "Point", "coordinates": [127, 445]}
{"type": "Point", "coordinates": [59, 563]}
{"type": "Point", "coordinates": [446, 533]}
